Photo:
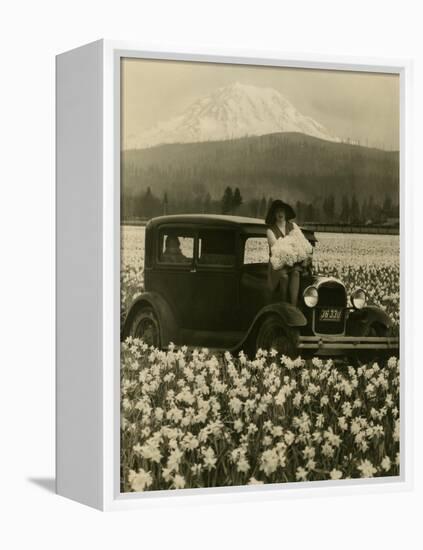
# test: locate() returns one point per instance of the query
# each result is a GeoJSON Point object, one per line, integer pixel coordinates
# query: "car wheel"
{"type": "Point", "coordinates": [375, 329]}
{"type": "Point", "coordinates": [145, 326]}
{"type": "Point", "coordinates": [273, 334]}
{"type": "Point", "coordinates": [368, 356]}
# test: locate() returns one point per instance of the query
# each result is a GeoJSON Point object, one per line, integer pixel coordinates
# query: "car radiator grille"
{"type": "Point", "coordinates": [332, 302]}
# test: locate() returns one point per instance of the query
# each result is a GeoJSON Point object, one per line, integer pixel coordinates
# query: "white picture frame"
{"type": "Point", "coordinates": [88, 276]}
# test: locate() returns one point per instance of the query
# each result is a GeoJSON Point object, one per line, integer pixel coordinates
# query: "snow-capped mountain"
{"type": "Point", "coordinates": [234, 111]}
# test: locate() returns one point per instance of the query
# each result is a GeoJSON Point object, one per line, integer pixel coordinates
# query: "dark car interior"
{"type": "Point", "coordinates": [216, 247]}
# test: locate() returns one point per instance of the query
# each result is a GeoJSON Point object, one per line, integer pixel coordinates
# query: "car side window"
{"type": "Point", "coordinates": [176, 247]}
{"type": "Point", "coordinates": [256, 250]}
{"type": "Point", "coordinates": [216, 247]}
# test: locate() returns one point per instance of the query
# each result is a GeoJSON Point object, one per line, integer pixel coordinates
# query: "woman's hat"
{"type": "Point", "coordinates": [279, 205]}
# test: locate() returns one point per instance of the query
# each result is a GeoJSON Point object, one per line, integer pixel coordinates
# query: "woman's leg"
{"type": "Point", "coordinates": [294, 286]}
{"type": "Point", "coordinates": [283, 285]}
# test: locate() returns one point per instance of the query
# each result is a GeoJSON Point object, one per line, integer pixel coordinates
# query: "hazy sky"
{"type": "Point", "coordinates": [359, 106]}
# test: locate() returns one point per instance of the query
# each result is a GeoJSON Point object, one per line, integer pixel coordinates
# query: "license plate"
{"type": "Point", "coordinates": [330, 314]}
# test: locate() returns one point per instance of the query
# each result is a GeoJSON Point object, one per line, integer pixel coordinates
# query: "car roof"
{"type": "Point", "coordinates": [217, 220]}
{"type": "Point", "coordinates": [246, 224]}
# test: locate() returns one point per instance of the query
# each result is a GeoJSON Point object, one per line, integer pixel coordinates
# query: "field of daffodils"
{"type": "Point", "coordinates": [193, 419]}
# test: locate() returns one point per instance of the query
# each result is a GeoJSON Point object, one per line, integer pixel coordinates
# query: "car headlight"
{"type": "Point", "coordinates": [358, 298]}
{"type": "Point", "coordinates": [311, 296]}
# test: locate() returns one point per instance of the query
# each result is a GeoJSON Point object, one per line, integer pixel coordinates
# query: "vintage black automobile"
{"type": "Point", "coordinates": [205, 282]}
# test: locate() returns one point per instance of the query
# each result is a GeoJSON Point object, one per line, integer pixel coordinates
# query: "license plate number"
{"type": "Point", "coordinates": [330, 314]}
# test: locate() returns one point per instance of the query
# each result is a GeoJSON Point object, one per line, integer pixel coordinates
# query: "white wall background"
{"type": "Point", "coordinates": [31, 33]}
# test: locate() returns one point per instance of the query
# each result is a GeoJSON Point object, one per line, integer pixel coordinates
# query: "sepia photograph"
{"type": "Point", "coordinates": [260, 275]}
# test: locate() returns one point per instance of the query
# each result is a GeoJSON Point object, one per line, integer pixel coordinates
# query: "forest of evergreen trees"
{"type": "Point", "coordinates": [324, 181]}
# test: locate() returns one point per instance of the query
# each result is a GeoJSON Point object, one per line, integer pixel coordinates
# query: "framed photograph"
{"type": "Point", "coordinates": [230, 275]}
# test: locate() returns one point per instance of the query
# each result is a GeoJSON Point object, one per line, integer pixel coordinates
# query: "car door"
{"type": "Point", "coordinates": [174, 270]}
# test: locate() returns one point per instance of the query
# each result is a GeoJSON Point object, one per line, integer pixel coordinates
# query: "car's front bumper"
{"type": "Point", "coordinates": [336, 343]}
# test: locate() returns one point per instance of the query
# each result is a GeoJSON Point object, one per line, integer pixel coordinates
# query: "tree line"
{"type": "Point", "coordinates": [326, 208]}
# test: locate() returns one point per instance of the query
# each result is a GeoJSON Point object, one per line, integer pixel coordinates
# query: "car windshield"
{"type": "Point", "coordinates": [256, 250]}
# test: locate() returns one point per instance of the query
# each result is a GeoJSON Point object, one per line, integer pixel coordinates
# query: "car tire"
{"type": "Point", "coordinates": [375, 329]}
{"type": "Point", "coordinates": [274, 334]}
{"type": "Point", "coordinates": [145, 326]}
{"type": "Point", "coordinates": [368, 356]}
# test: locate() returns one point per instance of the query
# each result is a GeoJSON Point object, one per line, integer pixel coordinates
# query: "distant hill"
{"type": "Point", "coordinates": [292, 166]}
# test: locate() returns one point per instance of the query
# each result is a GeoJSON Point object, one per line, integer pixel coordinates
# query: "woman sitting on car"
{"type": "Point", "coordinates": [289, 252]}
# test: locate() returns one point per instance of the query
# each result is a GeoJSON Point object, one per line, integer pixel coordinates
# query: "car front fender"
{"type": "Point", "coordinates": [167, 322]}
{"type": "Point", "coordinates": [359, 320]}
{"type": "Point", "coordinates": [290, 315]}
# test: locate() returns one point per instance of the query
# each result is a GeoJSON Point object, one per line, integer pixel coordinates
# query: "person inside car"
{"type": "Point", "coordinates": [173, 253]}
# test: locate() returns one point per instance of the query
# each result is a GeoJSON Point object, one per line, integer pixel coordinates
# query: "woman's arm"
{"type": "Point", "coordinates": [270, 237]}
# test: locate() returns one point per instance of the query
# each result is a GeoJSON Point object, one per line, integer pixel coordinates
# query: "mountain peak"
{"type": "Point", "coordinates": [232, 111]}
